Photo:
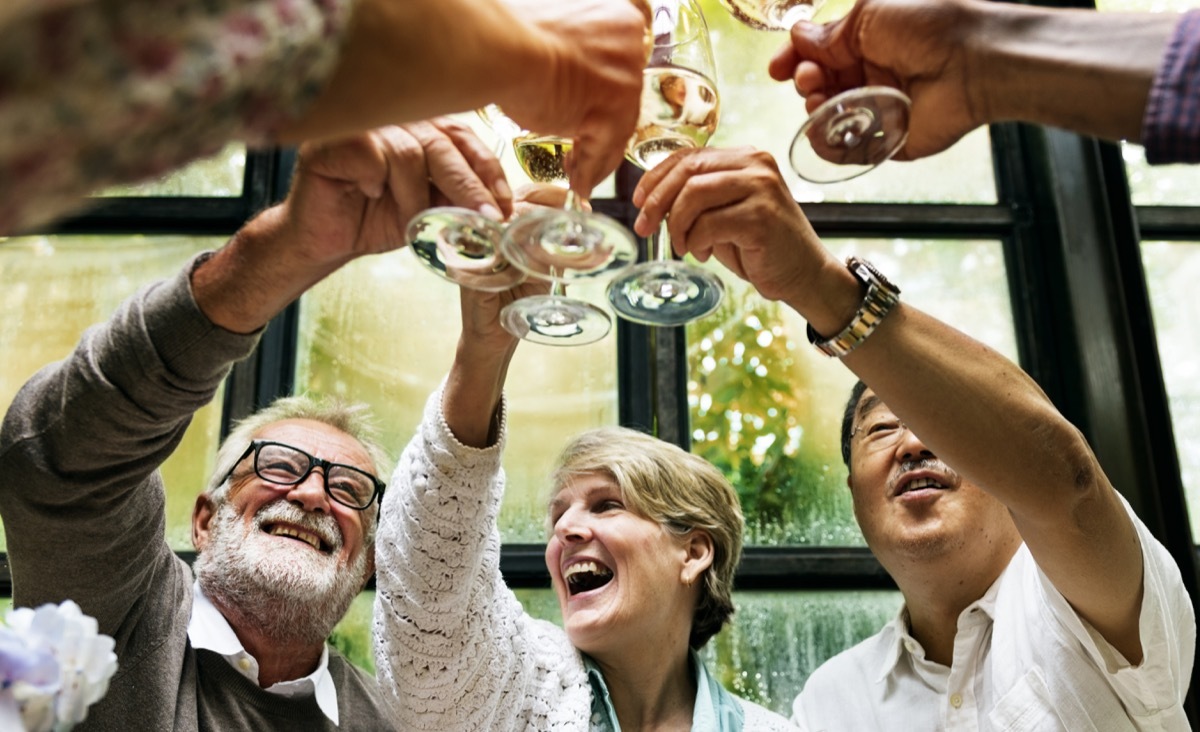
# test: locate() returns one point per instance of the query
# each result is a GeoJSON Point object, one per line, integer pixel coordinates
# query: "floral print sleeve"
{"type": "Point", "coordinates": [96, 92]}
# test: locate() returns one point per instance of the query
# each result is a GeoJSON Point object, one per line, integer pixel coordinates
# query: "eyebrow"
{"type": "Point", "coordinates": [868, 404]}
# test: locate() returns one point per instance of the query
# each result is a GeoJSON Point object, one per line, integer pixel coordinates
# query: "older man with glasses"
{"type": "Point", "coordinates": [285, 529]}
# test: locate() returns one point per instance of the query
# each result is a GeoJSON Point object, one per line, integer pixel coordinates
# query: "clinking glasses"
{"type": "Point", "coordinates": [283, 464]}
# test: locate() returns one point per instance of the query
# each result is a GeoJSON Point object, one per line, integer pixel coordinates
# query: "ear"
{"type": "Point", "coordinates": [698, 545]}
{"type": "Point", "coordinates": [202, 516]}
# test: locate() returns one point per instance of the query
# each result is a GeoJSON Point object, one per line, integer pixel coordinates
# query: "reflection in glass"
{"type": "Point", "coordinates": [382, 331]}
{"type": "Point", "coordinates": [219, 176]}
{"type": "Point", "coordinates": [766, 407]}
{"type": "Point", "coordinates": [776, 639]}
{"type": "Point", "coordinates": [55, 287]}
{"type": "Point", "coordinates": [1172, 267]}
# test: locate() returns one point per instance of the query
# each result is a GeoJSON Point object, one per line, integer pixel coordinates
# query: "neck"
{"type": "Point", "coordinates": [936, 593]}
{"type": "Point", "coordinates": [278, 659]}
{"type": "Point", "coordinates": [648, 694]}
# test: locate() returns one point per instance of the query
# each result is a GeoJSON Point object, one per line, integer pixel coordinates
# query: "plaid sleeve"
{"type": "Point", "coordinates": [1171, 123]}
{"type": "Point", "coordinates": [99, 92]}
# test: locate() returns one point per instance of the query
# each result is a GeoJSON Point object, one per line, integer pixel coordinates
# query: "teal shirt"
{"type": "Point", "coordinates": [715, 709]}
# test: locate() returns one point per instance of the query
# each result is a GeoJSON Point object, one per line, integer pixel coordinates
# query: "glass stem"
{"type": "Point", "coordinates": [661, 244]}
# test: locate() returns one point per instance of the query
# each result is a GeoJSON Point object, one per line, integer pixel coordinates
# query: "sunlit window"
{"type": "Point", "coordinates": [766, 406]}
{"type": "Point", "coordinates": [55, 287]}
{"type": "Point", "coordinates": [219, 176]}
{"type": "Point", "coordinates": [383, 331]}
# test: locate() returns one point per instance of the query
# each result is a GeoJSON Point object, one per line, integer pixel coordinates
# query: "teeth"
{"type": "Point", "coordinates": [920, 483]}
{"type": "Point", "coordinates": [311, 540]}
{"type": "Point", "coordinates": [590, 567]}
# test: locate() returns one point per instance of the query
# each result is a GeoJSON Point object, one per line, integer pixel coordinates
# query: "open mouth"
{"type": "Point", "coordinates": [586, 576]}
{"type": "Point", "coordinates": [920, 484]}
{"type": "Point", "coordinates": [292, 532]}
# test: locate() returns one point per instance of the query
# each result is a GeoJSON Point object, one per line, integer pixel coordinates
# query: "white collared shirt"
{"type": "Point", "coordinates": [209, 630]}
{"type": "Point", "coordinates": [1023, 660]}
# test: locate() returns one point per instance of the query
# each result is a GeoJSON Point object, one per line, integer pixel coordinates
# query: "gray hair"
{"type": "Point", "coordinates": [353, 419]}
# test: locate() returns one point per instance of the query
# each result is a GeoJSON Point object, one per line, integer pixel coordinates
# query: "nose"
{"type": "Point", "coordinates": [910, 447]}
{"type": "Point", "coordinates": [573, 528]}
{"type": "Point", "coordinates": [309, 493]}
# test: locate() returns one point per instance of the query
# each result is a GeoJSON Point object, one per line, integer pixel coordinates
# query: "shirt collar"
{"type": "Point", "coordinates": [897, 639]}
{"type": "Point", "coordinates": [714, 710]}
{"type": "Point", "coordinates": [209, 630]}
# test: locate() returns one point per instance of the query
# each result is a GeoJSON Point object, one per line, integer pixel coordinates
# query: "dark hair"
{"type": "Point", "coordinates": [848, 418]}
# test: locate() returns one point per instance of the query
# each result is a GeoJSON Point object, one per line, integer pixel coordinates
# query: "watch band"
{"type": "Point", "coordinates": [880, 298]}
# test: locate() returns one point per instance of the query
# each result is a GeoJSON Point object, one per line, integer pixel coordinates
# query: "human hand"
{"type": "Point", "coordinates": [589, 86]}
{"type": "Point", "coordinates": [482, 331]}
{"type": "Point", "coordinates": [733, 204]}
{"type": "Point", "coordinates": [355, 196]}
{"type": "Point", "coordinates": [920, 47]}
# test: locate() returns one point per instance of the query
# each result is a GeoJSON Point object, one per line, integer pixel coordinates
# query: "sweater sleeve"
{"type": "Point", "coordinates": [454, 648]}
{"type": "Point", "coordinates": [81, 444]}
{"type": "Point", "coordinates": [98, 92]}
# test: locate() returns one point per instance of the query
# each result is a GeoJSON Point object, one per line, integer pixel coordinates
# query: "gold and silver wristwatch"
{"type": "Point", "coordinates": [880, 298]}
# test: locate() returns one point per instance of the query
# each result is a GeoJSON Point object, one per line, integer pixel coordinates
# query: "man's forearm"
{"type": "Point", "coordinates": [1082, 70]}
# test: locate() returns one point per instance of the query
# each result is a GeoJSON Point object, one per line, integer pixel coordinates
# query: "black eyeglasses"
{"type": "Point", "coordinates": [283, 464]}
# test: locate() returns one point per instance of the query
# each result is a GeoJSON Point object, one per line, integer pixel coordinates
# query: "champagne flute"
{"type": "Point", "coordinates": [849, 134]}
{"type": "Point", "coordinates": [680, 107]}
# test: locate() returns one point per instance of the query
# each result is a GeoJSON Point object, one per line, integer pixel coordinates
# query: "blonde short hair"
{"type": "Point", "coordinates": [680, 491]}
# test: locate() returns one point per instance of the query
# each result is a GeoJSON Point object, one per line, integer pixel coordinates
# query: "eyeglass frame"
{"type": "Point", "coordinates": [313, 462]}
{"type": "Point", "coordinates": [900, 426]}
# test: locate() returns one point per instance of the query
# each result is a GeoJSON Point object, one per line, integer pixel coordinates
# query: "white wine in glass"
{"type": "Point", "coordinates": [542, 157]}
{"type": "Point", "coordinates": [680, 107]}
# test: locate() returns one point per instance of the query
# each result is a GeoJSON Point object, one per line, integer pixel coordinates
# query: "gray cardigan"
{"type": "Point", "coordinates": [83, 508]}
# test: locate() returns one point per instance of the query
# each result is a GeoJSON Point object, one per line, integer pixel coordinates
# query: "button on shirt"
{"type": "Point", "coordinates": [210, 631]}
{"type": "Point", "coordinates": [1023, 660]}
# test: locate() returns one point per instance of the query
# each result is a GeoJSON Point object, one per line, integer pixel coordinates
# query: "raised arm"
{"type": "Point", "coordinates": [973, 408]}
{"type": "Point", "coordinates": [83, 439]}
{"type": "Point", "coordinates": [965, 63]}
{"type": "Point", "coordinates": [98, 92]}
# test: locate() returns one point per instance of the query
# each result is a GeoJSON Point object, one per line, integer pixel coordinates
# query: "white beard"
{"type": "Point", "coordinates": [292, 594]}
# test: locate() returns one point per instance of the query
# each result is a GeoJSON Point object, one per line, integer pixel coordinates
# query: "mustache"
{"type": "Point", "coordinates": [933, 465]}
{"type": "Point", "coordinates": [321, 524]}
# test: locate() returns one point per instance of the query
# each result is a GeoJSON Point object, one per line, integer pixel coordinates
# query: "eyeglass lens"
{"type": "Point", "coordinates": [288, 466]}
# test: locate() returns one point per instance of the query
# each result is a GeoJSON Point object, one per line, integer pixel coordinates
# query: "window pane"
{"type": "Point", "coordinates": [1173, 268]}
{"type": "Point", "coordinates": [759, 111]}
{"type": "Point", "coordinates": [383, 331]}
{"type": "Point", "coordinates": [766, 406]}
{"type": "Point", "coordinates": [54, 288]}
{"type": "Point", "coordinates": [219, 176]}
{"type": "Point", "coordinates": [352, 636]}
{"type": "Point", "coordinates": [776, 639]}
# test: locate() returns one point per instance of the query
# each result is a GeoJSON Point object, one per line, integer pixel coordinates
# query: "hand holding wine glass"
{"type": "Point", "coordinates": [847, 133]}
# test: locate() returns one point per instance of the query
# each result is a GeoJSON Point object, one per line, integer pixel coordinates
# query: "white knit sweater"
{"type": "Point", "coordinates": [454, 649]}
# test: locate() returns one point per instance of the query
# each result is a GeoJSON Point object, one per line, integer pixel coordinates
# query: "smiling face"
{"type": "Point", "coordinates": [914, 509]}
{"type": "Point", "coordinates": [624, 582]}
{"type": "Point", "coordinates": [288, 556]}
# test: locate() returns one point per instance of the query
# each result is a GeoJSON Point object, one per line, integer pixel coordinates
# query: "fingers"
{"type": "Point", "coordinates": [482, 159]}
{"type": "Point", "coordinates": [538, 195]}
{"type": "Point", "coordinates": [355, 161]}
{"type": "Point", "coordinates": [451, 157]}
{"type": "Point", "coordinates": [600, 147]}
{"type": "Point", "coordinates": [407, 178]}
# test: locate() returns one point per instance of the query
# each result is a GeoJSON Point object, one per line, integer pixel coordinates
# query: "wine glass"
{"type": "Point", "coordinates": [679, 109]}
{"type": "Point", "coordinates": [555, 319]}
{"type": "Point", "coordinates": [462, 246]}
{"type": "Point", "coordinates": [850, 133]}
